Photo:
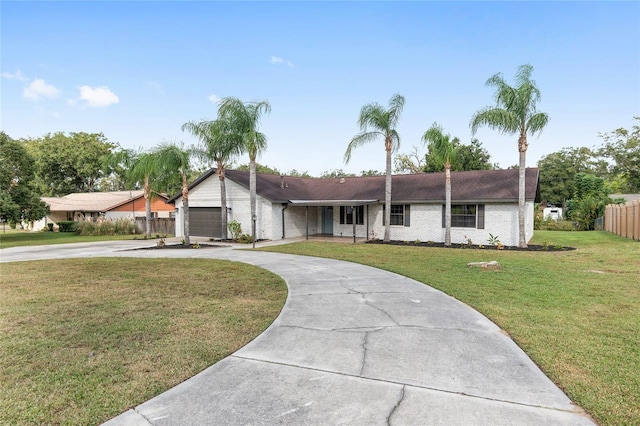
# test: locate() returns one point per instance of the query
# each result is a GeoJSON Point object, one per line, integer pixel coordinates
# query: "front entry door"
{"type": "Point", "coordinates": [327, 220]}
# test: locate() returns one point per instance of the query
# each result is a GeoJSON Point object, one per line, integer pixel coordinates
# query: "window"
{"type": "Point", "coordinates": [400, 214]}
{"type": "Point", "coordinates": [465, 216]}
{"type": "Point", "coordinates": [346, 215]}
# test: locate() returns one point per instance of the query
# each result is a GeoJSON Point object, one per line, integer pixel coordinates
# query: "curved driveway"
{"type": "Point", "coordinates": [353, 345]}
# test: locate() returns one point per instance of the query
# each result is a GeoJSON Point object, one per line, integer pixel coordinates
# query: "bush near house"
{"type": "Point", "coordinates": [120, 226]}
{"type": "Point", "coordinates": [68, 226]}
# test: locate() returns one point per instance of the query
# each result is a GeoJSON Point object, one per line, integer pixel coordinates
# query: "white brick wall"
{"type": "Point", "coordinates": [501, 220]}
{"type": "Point", "coordinates": [207, 194]}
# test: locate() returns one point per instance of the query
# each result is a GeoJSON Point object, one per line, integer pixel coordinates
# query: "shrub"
{"type": "Point", "coordinates": [244, 238]}
{"type": "Point", "coordinates": [121, 226]}
{"type": "Point", "coordinates": [557, 225]}
{"type": "Point", "coordinates": [235, 229]}
{"type": "Point", "coordinates": [68, 226]}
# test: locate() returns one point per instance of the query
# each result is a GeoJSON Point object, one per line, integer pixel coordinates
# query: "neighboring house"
{"type": "Point", "coordinates": [483, 202]}
{"type": "Point", "coordinates": [109, 205]}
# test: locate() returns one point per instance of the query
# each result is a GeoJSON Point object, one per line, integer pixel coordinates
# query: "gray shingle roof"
{"type": "Point", "coordinates": [91, 201]}
{"type": "Point", "coordinates": [472, 186]}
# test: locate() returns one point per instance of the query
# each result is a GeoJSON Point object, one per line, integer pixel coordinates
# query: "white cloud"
{"type": "Point", "coordinates": [278, 60]}
{"type": "Point", "coordinates": [14, 76]}
{"type": "Point", "coordinates": [98, 96]}
{"type": "Point", "coordinates": [39, 89]}
{"type": "Point", "coordinates": [214, 98]}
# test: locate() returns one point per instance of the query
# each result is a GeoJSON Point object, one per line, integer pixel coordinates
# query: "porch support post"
{"type": "Point", "coordinates": [353, 217]}
{"type": "Point", "coordinates": [306, 215]}
{"type": "Point", "coordinates": [367, 222]}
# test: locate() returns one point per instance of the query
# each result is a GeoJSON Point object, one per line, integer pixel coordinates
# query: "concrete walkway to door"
{"type": "Point", "coordinates": [353, 345]}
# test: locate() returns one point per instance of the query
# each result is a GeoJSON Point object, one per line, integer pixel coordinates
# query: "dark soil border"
{"type": "Point", "coordinates": [194, 246]}
{"type": "Point", "coordinates": [530, 247]}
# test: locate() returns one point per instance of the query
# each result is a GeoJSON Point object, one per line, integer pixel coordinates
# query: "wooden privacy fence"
{"type": "Point", "coordinates": [623, 219]}
{"type": "Point", "coordinates": [159, 225]}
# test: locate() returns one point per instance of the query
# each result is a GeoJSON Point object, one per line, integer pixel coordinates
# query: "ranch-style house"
{"type": "Point", "coordinates": [483, 202]}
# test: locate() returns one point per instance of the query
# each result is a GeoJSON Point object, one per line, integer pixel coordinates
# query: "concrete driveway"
{"type": "Point", "coordinates": [353, 345]}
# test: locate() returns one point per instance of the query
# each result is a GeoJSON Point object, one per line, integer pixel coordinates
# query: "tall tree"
{"type": "Point", "coordinates": [18, 199]}
{"type": "Point", "coordinates": [623, 147]}
{"type": "Point", "coordinates": [244, 119]}
{"type": "Point", "coordinates": [175, 157]}
{"type": "Point", "coordinates": [66, 164]}
{"type": "Point", "coordinates": [515, 113]}
{"type": "Point", "coordinates": [375, 121]}
{"type": "Point", "coordinates": [220, 144]}
{"type": "Point", "coordinates": [471, 157]}
{"type": "Point", "coordinates": [558, 171]}
{"type": "Point", "coordinates": [413, 162]}
{"type": "Point", "coordinates": [443, 152]}
{"type": "Point", "coordinates": [117, 170]}
{"type": "Point", "coordinates": [145, 168]}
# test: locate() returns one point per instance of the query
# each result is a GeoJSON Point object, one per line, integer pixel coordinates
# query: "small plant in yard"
{"type": "Point", "coordinates": [493, 240]}
{"type": "Point", "coordinates": [196, 245]}
{"type": "Point", "coordinates": [235, 229]}
{"type": "Point", "coordinates": [244, 238]}
{"type": "Point", "coordinates": [467, 241]}
{"type": "Point", "coordinates": [161, 242]}
{"type": "Point", "coordinates": [182, 241]}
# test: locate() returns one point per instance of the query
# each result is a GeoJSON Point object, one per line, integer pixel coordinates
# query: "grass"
{"type": "Point", "coordinates": [15, 238]}
{"type": "Point", "coordinates": [575, 313]}
{"type": "Point", "coordinates": [83, 340]}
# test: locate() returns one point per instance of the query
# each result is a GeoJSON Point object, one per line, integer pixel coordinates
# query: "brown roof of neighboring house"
{"type": "Point", "coordinates": [91, 201]}
{"type": "Point", "coordinates": [471, 186]}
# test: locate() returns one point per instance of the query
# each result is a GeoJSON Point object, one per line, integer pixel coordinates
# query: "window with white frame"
{"type": "Point", "coordinates": [465, 216]}
{"type": "Point", "coordinates": [400, 214]}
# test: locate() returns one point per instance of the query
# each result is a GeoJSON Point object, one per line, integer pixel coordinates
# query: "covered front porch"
{"type": "Point", "coordinates": [337, 219]}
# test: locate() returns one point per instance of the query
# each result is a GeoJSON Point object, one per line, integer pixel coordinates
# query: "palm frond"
{"type": "Point", "coordinates": [359, 140]}
{"type": "Point", "coordinates": [537, 122]}
{"type": "Point", "coordinates": [500, 119]}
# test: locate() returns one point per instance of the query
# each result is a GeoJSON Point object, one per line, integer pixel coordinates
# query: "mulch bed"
{"type": "Point", "coordinates": [181, 246]}
{"type": "Point", "coordinates": [531, 247]}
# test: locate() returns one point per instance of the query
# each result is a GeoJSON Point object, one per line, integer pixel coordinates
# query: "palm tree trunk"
{"type": "Point", "coordinates": [185, 206]}
{"type": "Point", "coordinates": [522, 148]}
{"type": "Point", "coordinates": [447, 208]}
{"type": "Point", "coordinates": [252, 191]}
{"type": "Point", "coordinates": [223, 201]}
{"type": "Point", "coordinates": [387, 197]}
{"type": "Point", "coordinates": [147, 205]}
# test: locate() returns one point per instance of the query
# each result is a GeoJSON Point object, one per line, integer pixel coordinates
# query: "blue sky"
{"type": "Point", "coordinates": [137, 71]}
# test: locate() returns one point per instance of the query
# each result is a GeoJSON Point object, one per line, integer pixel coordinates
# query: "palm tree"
{"type": "Point", "coordinates": [244, 120]}
{"type": "Point", "coordinates": [442, 151]}
{"type": "Point", "coordinates": [375, 121]}
{"type": "Point", "coordinates": [515, 113]}
{"type": "Point", "coordinates": [219, 144]}
{"type": "Point", "coordinates": [145, 167]}
{"type": "Point", "coordinates": [171, 156]}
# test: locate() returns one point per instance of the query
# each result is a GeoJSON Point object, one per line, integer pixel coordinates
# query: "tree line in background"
{"type": "Point", "coordinates": [579, 179]}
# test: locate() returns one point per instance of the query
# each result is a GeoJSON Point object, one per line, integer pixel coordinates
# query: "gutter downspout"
{"type": "Point", "coordinates": [284, 207]}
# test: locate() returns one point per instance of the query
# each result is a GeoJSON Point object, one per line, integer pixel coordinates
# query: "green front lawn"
{"type": "Point", "coordinates": [575, 313]}
{"type": "Point", "coordinates": [13, 238]}
{"type": "Point", "coordinates": [82, 340]}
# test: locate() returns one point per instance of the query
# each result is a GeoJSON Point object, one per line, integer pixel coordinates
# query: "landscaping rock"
{"type": "Point", "coordinates": [484, 265]}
